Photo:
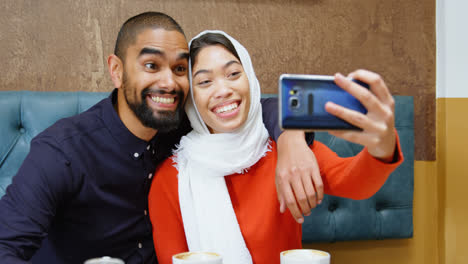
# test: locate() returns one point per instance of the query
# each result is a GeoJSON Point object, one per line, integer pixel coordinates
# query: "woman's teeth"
{"type": "Point", "coordinates": [226, 108]}
{"type": "Point", "coordinates": [164, 100]}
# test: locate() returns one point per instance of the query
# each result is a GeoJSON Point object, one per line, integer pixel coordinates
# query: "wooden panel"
{"type": "Point", "coordinates": [63, 45]}
{"type": "Point", "coordinates": [452, 162]}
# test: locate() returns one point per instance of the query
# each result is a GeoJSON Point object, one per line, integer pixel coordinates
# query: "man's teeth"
{"type": "Point", "coordinates": [226, 108]}
{"type": "Point", "coordinates": [164, 100]}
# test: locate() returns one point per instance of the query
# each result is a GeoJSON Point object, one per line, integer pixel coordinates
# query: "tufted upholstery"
{"type": "Point", "coordinates": [388, 214]}
{"type": "Point", "coordinates": [25, 114]}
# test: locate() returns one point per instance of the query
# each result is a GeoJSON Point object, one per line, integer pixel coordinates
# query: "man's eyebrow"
{"type": "Point", "coordinates": [183, 55]}
{"type": "Point", "coordinates": [151, 51]}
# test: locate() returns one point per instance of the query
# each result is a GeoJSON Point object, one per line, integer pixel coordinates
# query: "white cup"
{"type": "Point", "coordinates": [197, 258]}
{"type": "Point", "coordinates": [304, 256]}
{"type": "Point", "coordinates": [104, 260]}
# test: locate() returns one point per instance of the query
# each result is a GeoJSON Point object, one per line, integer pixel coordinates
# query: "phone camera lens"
{"type": "Point", "coordinates": [294, 102]}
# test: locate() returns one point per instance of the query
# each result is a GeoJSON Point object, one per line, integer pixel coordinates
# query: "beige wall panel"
{"type": "Point", "coordinates": [63, 45]}
{"type": "Point", "coordinates": [441, 146]}
{"type": "Point", "coordinates": [452, 158]}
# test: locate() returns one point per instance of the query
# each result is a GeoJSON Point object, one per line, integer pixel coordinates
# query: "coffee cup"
{"type": "Point", "coordinates": [197, 258]}
{"type": "Point", "coordinates": [304, 256]}
{"type": "Point", "coordinates": [104, 260]}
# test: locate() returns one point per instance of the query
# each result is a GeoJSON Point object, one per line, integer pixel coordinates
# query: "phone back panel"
{"type": "Point", "coordinates": [303, 98]}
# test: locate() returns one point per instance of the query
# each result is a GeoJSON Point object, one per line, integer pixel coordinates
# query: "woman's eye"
{"type": "Point", "coordinates": [204, 82]}
{"type": "Point", "coordinates": [234, 74]}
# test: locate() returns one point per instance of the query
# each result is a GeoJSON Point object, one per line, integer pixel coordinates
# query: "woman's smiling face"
{"type": "Point", "coordinates": [220, 89]}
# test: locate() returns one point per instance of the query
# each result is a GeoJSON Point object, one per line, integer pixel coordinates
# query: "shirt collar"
{"type": "Point", "coordinates": [130, 143]}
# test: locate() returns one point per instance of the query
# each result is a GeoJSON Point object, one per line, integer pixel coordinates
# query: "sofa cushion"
{"type": "Point", "coordinates": [388, 214]}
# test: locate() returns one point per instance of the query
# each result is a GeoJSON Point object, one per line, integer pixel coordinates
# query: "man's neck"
{"type": "Point", "coordinates": [131, 121]}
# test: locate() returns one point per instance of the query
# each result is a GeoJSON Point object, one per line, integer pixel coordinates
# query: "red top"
{"type": "Point", "coordinates": [266, 231]}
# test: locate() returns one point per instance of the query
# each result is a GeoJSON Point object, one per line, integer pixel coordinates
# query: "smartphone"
{"type": "Point", "coordinates": [302, 101]}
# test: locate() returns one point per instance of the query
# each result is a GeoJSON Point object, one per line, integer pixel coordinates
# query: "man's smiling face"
{"type": "Point", "coordinates": [155, 78]}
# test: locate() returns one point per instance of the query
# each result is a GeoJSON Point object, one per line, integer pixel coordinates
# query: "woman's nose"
{"type": "Point", "coordinates": [223, 90]}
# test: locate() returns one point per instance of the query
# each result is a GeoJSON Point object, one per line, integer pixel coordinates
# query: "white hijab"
{"type": "Point", "coordinates": [203, 159]}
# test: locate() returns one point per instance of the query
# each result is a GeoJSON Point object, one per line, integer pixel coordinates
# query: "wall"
{"type": "Point", "coordinates": [63, 45]}
{"type": "Point", "coordinates": [452, 143]}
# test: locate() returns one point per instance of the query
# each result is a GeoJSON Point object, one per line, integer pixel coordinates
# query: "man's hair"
{"type": "Point", "coordinates": [210, 39]}
{"type": "Point", "coordinates": [135, 25]}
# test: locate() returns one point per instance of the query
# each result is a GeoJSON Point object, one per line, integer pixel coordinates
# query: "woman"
{"type": "Point", "coordinates": [218, 191]}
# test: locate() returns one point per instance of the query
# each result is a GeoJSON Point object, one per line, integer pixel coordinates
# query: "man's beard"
{"type": "Point", "coordinates": [163, 121]}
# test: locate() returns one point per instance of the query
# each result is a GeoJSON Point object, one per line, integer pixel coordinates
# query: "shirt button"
{"type": "Point", "coordinates": [145, 212]}
{"type": "Point", "coordinates": [148, 147]}
{"type": "Point", "coordinates": [136, 154]}
{"type": "Point", "coordinates": [150, 176]}
{"type": "Point", "coordinates": [140, 245]}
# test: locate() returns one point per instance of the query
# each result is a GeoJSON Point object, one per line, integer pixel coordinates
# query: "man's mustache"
{"type": "Point", "coordinates": [148, 91]}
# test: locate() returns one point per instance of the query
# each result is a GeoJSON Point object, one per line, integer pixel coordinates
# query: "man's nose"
{"type": "Point", "coordinates": [166, 80]}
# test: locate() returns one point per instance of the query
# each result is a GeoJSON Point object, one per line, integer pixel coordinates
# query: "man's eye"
{"type": "Point", "coordinates": [181, 69]}
{"type": "Point", "coordinates": [151, 66]}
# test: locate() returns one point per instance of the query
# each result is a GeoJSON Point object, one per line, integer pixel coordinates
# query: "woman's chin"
{"type": "Point", "coordinates": [225, 128]}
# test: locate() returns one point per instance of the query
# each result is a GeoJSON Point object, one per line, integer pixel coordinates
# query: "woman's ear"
{"type": "Point", "coordinates": [115, 66]}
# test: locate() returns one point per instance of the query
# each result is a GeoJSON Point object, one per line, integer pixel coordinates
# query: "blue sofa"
{"type": "Point", "coordinates": [388, 214]}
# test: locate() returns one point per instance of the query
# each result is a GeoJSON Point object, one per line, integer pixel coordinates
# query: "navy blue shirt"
{"type": "Point", "coordinates": [82, 190]}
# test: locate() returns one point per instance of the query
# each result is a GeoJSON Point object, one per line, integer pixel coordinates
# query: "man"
{"type": "Point", "coordinates": [82, 190]}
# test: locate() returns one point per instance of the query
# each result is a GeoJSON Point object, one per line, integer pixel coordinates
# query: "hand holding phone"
{"type": "Point", "coordinates": [376, 127]}
{"type": "Point", "coordinates": [303, 99]}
